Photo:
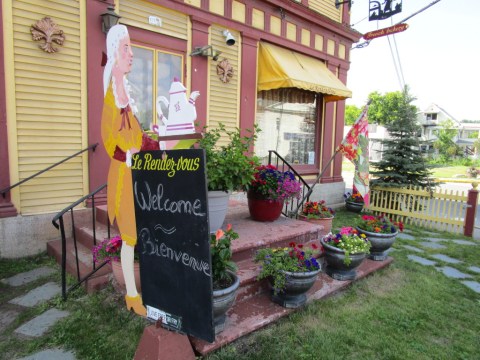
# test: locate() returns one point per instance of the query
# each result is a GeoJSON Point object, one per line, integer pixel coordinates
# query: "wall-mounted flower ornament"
{"type": "Point", "coordinates": [225, 70]}
{"type": "Point", "coordinates": [45, 29]}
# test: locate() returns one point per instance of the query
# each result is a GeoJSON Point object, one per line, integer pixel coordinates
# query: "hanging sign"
{"type": "Point", "coordinates": [379, 12]}
{"type": "Point", "coordinates": [170, 198]}
{"type": "Point", "coordinates": [386, 31]}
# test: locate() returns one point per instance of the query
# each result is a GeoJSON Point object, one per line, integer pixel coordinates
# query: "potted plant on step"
{"type": "Point", "coordinates": [291, 271]}
{"type": "Point", "coordinates": [225, 281]}
{"type": "Point", "coordinates": [109, 251]}
{"type": "Point", "coordinates": [344, 252]}
{"type": "Point", "coordinates": [268, 191]}
{"type": "Point", "coordinates": [229, 167]}
{"type": "Point", "coordinates": [381, 231]}
{"type": "Point", "coordinates": [354, 201]}
{"type": "Point", "coordinates": [317, 212]}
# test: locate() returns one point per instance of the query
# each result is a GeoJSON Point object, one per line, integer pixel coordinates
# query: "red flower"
{"type": "Point", "coordinates": [292, 244]}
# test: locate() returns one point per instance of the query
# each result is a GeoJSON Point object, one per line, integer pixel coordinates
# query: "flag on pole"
{"type": "Point", "coordinates": [355, 148]}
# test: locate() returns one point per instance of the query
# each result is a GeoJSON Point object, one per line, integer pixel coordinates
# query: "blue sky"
{"type": "Point", "coordinates": [439, 54]}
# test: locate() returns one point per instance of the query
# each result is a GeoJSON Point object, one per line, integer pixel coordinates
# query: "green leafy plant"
{"type": "Point", "coordinates": [379, 224]}
{"type": "Point", "coordinates": [274, 184]}
{"type": "Point", "coordinates": [317, 210]}
{"type": "Point", "coordinates": [294, 258]}
{"type": "Point", "coordinates": [221, 252]}
{"type": "Point", "coordinates": [348, 240]}
{"type": "Point", "coordinates": [230, 166]}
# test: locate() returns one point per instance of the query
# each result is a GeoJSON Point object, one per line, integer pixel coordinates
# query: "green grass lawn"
{"type": "Point", "coordinates": [437, 171]}
{"type": "Point", "coordinates": [406, 311]}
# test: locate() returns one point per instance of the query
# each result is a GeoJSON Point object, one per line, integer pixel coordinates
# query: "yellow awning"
{"type": "Point", "coordinates": [282, 68]}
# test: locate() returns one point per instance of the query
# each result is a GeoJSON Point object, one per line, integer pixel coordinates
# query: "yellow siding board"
{"type": "Point", "coordinates": [69, 56]}
{"type": "Point", "coordinates": [136, 13]}
{"type": "Point", "coordinates": [305, 37]}
{"type": "Point", "coordinates": [53, 202]}
{"type": "Point", "coordinates": [69, 165]}
{"type": "Point", "coordinates": [47, 65]}
{"type": "Point", "coordinates": [258, 19]}
{"type": "Point", "coordinates": [48, 132]}
{"type": "Point", "coordinates": [341, 51]}
{"type": "Point", "coordinates": [238, 11]}
{"type": "Point", "coordinates": [46, 161]}
{"type": "Point", "coordinates": [291, 31]}
{"type": "Point", "coordinates": [54, 81]}
{"type": "Point", "coordinates": [38, 92]}
{"type": "Point", "coordinates": [36, 124]}
{"type": "Point", "coordinates": [275, 25]}
{"type": "Point", "coordinates": [60, 184]}
{"type": "Point", "coordinates": [217, 7]}
{"type": "Point", "coordinates": [64, 7]}
{"type": "Point", "coordinates": [48, 108]}
{"type": "Point", "coordinates": [223, 102]}
{"type": "Point", "coordinates": [326, 8]}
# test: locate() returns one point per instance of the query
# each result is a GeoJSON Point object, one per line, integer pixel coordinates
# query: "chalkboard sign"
{"type": "Point", "coordinates": [170, 196]}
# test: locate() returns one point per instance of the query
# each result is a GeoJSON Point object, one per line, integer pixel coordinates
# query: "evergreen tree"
{"type": "Point", "coordinates": [402, 163]}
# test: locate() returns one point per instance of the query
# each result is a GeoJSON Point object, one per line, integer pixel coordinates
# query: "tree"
{"type": "Point", "coordinates": [352, 112]}
{"type": "Point", "coordinates": [444, 144]}
{"type": "Point", "coordinates": [383, 109]}
{"type": "Point", "coordinates": [402, 163]}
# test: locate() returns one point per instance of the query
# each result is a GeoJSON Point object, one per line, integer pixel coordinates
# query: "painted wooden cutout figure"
{"type": "Point", "coordinates": [122, 137]}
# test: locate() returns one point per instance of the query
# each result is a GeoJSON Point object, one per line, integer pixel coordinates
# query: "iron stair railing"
{"type": "Point", "coordinates": [59, 223]}
{"type": "Point", "coordinates": [291, 208]}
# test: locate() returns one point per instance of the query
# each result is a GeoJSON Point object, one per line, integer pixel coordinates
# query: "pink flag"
{"type": "Point", "coordinates": [355, 148]}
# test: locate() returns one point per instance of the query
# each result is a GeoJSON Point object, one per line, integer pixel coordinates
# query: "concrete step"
{"type": "Point", "coordinates": [254, 312]}
{"type": "Point", "coordinates": [85, 264]}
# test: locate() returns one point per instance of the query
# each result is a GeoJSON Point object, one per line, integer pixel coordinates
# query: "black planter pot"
{"type": "Point", "coordinates": [353, 206]}
{"type": "Point", "coordinates": [380, 244]}
{"type": "Point", "coordinates": [293, 294]}
{"type": "Point", "coordinates": [335, 260]}
{"type": "Point", "coordinates": [222, 301]}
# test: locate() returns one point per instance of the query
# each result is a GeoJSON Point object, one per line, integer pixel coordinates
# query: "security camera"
{"type": "Point", "coordinates": [229, 39]}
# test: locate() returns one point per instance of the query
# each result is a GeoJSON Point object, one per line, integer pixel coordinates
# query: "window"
{"type": "Point", "coordinates": [288, 122]}
{"type": "Point", "coordinates": [431, 116]}
{"type": "Point", "coordinates": [151, 76]}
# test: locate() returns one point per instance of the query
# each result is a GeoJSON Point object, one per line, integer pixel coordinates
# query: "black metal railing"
{"type": "Point", "coordinates": [58, 222]}
{"type": "Point", "coordinates": [291, 208]}
{"type": "Point", "coordinates": [7, 189]}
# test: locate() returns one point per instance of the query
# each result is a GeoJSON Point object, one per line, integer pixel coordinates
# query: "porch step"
{"type": "Point", "coordinates": [254, 312]}
{"type": "Point", "coordinates": [254, 235]}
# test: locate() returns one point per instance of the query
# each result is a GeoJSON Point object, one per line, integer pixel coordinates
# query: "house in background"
{"type": "Point", "coordinates": [287, 73]}
{"type": "Point", "coordinates": [431, 119]}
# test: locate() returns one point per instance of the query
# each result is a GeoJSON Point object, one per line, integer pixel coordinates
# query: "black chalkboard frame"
{"type": "Point", "coordinates": [171, 210]}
